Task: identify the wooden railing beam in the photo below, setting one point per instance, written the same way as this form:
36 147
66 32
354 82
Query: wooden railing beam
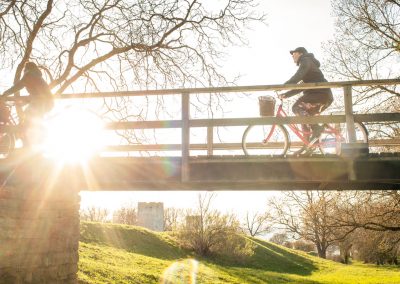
373 117
223 146
235 89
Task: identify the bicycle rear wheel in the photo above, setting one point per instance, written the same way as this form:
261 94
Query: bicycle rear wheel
270 140
7 144
331 139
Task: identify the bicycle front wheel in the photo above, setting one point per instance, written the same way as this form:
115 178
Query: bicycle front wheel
331 139
269 140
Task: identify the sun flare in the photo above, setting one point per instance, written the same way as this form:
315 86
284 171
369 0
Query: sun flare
73 135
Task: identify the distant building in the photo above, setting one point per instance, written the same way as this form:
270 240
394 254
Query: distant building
151 215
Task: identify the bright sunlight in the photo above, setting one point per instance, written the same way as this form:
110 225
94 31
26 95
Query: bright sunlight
73 135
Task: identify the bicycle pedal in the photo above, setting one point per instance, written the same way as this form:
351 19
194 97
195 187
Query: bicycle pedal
301 150
296 154
306 154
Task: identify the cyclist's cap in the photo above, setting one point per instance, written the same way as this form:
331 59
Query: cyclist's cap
299 49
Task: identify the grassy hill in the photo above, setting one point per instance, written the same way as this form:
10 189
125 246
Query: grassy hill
112 253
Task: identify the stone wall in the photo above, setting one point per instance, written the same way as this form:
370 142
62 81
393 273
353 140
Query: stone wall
39 232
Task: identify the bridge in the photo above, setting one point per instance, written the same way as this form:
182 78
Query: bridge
124 169
39 197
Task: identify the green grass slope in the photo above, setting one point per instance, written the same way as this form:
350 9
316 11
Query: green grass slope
112 253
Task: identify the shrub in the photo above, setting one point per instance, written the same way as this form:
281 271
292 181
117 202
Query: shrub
215 233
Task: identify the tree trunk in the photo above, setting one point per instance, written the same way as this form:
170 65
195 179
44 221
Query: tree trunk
345 252
321 251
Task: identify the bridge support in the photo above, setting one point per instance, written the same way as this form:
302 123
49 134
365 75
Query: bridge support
39 226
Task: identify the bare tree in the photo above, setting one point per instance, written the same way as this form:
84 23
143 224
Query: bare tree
125 215
374 210
367 40
173 218
367 46
279 238
375 246
94 214
207 231
118 45
368 222
257 223
306 216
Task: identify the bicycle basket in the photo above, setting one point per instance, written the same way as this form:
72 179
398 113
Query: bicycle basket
267 105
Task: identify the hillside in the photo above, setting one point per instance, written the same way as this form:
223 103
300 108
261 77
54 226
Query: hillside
112 253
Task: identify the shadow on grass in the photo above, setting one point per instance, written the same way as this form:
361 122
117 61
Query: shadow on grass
272 258
259 276
275 258
131 239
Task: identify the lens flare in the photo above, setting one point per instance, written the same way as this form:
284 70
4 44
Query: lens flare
74 135
181 272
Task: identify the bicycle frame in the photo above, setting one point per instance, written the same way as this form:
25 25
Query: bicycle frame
9 120
7 136
276 138
302 135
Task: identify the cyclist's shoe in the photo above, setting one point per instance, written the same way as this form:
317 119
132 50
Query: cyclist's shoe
300 151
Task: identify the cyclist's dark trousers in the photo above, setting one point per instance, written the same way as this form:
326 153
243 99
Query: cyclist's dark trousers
33 114
310 105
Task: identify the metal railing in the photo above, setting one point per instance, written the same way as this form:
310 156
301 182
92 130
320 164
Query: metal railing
185 123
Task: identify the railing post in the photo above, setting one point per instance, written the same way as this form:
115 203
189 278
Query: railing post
348 108
210 140
185 137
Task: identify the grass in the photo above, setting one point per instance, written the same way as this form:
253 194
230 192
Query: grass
112 253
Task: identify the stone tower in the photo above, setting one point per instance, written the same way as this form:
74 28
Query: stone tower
151 215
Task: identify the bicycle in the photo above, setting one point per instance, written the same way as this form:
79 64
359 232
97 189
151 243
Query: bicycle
274 140
13 133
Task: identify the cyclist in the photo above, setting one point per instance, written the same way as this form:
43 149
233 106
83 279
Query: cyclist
40 97
313 101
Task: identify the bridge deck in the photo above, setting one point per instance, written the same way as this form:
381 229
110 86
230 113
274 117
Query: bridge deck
218 173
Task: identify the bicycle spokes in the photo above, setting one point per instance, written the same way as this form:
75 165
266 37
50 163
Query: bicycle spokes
265 140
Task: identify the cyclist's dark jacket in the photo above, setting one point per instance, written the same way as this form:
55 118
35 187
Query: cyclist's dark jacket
34 84
309 72
41 96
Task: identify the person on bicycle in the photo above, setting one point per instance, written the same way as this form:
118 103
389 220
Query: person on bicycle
40 97
313 101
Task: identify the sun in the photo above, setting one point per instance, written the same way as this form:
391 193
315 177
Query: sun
73 135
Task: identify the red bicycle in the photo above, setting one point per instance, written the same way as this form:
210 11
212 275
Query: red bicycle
274 140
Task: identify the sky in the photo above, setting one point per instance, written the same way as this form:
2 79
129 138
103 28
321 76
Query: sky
290 24
266 60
